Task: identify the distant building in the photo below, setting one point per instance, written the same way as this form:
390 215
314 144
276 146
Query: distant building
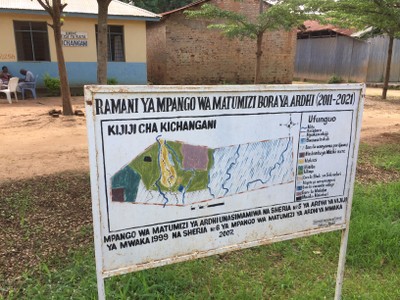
27 42
324 51
184 51
313 29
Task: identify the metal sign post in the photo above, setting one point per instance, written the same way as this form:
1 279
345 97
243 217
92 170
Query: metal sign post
345 232
182 172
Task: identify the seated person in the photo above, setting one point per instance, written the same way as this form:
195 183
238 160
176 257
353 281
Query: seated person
29 77
5 75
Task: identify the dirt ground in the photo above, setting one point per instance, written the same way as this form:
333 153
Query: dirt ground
33 143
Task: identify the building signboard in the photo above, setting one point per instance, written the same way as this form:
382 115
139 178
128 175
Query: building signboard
74 39
181 172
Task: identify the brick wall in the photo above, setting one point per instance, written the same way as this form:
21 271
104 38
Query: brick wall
197 55
156 52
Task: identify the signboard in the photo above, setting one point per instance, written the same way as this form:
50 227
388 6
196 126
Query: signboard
180 172
74 39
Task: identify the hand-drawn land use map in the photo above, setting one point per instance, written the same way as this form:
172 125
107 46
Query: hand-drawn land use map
183 171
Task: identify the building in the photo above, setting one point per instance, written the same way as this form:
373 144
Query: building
324 51
184 51
28 42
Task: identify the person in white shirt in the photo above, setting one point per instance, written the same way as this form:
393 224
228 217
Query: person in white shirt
29 77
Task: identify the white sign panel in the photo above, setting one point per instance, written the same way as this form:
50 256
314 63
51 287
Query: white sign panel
74 38
180 172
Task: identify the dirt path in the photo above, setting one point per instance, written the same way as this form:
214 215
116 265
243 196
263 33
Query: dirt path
33 143
381 119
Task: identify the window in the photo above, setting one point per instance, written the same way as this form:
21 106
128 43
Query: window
32 41
115 35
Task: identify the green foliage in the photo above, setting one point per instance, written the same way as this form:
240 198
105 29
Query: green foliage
283 15
52 84
335 79
236 25
112 81
383 16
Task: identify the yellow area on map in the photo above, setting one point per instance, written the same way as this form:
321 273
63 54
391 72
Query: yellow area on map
168 172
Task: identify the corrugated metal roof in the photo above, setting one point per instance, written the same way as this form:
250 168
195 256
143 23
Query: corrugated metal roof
314 26
184 7
116 8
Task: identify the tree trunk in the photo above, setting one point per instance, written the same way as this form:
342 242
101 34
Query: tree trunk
259 48
388 63
102 43
258 58
62 70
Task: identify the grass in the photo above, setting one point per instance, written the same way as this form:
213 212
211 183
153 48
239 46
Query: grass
298 269
385 156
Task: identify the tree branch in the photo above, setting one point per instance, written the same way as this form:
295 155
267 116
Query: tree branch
47 7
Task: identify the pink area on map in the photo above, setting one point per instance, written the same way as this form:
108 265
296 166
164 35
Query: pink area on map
195 157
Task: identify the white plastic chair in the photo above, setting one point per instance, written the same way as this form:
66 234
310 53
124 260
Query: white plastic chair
12 88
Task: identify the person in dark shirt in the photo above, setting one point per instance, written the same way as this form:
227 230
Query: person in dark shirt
5 75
